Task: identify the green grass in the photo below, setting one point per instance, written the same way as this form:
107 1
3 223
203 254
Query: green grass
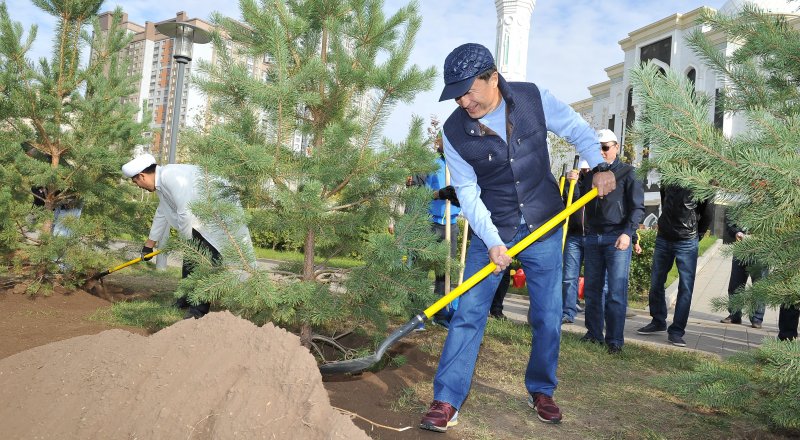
150 315
602 396
297 257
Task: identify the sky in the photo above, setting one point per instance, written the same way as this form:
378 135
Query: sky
571 43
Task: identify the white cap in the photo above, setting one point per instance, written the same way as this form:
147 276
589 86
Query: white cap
137 165
606 135
583 164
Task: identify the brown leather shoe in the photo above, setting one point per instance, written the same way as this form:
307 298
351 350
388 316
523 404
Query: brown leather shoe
546 408
440 416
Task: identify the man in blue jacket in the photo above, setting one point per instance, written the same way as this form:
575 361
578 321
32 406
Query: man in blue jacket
441 194
496 147
613 221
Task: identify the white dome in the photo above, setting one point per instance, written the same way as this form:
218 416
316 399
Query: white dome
732 7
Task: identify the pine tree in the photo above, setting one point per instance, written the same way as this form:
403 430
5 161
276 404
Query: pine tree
338 69
757 173
64 133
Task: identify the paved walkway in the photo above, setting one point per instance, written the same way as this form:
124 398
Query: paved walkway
704 332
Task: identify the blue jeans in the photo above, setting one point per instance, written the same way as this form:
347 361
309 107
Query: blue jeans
605 263
573 258
542 263
684 254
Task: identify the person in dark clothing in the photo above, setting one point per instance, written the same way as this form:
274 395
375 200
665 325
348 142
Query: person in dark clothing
788 318
612 222
683 222
573 249
740 272
496 148
496 309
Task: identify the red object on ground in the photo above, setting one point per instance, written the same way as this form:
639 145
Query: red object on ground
580 287
519 278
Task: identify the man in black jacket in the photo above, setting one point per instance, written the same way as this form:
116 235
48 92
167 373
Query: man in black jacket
612 221
682 224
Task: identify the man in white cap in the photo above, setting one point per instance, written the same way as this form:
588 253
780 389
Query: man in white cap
613 221
177 188
496 146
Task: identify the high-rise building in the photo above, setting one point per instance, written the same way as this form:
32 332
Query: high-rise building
150 57
513 30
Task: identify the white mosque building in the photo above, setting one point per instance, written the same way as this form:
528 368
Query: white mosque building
611 104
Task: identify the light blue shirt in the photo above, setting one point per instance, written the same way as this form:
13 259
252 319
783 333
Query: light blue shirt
560 118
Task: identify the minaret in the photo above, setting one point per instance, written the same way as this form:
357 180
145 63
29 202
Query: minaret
513 28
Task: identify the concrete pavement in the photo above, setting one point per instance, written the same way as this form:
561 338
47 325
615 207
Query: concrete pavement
704 332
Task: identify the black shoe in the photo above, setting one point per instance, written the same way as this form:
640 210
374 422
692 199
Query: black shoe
651 329
567 320
731 320
499 316
190 314
676 340
588 338
614 349
755 324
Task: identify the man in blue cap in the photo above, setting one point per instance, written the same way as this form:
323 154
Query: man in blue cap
496 146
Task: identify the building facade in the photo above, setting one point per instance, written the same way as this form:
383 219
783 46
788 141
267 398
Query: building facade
611 103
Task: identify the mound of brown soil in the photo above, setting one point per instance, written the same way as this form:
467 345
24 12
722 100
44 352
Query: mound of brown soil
219 377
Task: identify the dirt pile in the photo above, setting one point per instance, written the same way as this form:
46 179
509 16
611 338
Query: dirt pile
219 377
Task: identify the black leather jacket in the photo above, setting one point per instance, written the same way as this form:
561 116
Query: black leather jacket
621 210
682 218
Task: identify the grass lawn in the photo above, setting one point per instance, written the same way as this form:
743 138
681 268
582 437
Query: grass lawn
297 257
601 396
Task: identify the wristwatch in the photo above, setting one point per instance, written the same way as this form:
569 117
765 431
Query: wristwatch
603 166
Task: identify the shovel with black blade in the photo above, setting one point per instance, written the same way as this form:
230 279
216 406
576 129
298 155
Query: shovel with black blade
363 363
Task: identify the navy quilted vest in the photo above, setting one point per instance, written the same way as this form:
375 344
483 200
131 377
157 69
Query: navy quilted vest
514 177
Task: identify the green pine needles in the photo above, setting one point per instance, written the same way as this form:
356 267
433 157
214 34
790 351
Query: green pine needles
302 144
757 174
63 137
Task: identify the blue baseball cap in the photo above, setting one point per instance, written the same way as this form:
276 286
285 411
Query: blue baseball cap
462 66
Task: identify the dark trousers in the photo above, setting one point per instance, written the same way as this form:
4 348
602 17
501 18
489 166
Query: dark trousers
182 302
500 293
788 319
740 272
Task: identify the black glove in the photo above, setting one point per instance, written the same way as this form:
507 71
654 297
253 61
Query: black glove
146 250
448 193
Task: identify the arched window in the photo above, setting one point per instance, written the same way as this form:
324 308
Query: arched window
692 75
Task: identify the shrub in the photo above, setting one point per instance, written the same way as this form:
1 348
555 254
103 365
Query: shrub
639 278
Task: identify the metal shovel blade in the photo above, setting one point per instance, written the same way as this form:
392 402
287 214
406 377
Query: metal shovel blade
363 363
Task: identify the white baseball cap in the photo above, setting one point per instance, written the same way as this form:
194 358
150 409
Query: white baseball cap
137 165
583 164
606 135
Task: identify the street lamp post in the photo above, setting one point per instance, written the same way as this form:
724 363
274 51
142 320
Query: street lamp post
185 35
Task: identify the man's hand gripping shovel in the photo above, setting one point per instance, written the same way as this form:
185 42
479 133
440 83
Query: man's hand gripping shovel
363 363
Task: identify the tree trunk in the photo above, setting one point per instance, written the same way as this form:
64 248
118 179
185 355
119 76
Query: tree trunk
308 261
308 276
305 335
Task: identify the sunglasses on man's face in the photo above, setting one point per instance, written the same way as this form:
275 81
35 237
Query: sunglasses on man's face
606 147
